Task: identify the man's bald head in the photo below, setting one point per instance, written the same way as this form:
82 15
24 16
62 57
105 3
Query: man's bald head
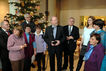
54 21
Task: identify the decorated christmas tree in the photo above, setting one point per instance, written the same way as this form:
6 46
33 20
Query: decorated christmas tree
28 6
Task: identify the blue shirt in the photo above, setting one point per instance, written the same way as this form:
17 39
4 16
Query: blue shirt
54 30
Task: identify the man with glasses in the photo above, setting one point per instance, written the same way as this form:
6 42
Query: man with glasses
28 21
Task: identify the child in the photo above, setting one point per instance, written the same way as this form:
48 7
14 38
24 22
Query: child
41 47
94 55
29 51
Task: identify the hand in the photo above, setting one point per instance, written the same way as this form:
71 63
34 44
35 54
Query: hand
70 37
58 43
21 46
52 43
44 52
25 45
35 53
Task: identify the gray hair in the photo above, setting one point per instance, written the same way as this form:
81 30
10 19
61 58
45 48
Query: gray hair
72 18
26 15
2 23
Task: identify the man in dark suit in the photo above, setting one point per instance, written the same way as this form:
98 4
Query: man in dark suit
72 34
54 37
4 56
28 21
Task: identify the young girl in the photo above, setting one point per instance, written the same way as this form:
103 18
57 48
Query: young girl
94 55
41 47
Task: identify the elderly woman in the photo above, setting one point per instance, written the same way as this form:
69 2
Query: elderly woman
16 44
94 55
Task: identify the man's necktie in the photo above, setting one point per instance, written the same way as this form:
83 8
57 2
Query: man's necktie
69 30
8 33
54 32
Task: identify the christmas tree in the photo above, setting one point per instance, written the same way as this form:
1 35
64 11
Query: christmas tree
31 7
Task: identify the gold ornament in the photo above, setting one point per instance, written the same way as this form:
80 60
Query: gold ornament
23 4
31 13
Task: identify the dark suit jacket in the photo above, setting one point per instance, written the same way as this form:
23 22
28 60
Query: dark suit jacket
32 25
48 37
4 55
3 44
71 44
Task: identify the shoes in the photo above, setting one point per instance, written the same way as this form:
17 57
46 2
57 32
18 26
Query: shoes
64 69
32 65
43 69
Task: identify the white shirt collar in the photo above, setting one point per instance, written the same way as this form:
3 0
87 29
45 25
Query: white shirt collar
70 27
27 22
4 30
41 33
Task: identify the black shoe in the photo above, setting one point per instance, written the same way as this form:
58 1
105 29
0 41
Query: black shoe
32 65
64 68
39 70
71 69
43 69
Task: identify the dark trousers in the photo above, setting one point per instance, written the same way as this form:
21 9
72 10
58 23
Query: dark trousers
71 61
6 65
70 54
58 54
17 65
82 53
65 64
27 64
40 57
79 63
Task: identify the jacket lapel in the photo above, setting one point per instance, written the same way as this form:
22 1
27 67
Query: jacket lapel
4 33
72 30
51 32
57 31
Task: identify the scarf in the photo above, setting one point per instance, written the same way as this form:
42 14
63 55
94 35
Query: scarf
88 54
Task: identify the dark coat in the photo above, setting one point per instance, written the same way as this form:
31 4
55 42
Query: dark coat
95 60
71 44
32 25
48 37
4 55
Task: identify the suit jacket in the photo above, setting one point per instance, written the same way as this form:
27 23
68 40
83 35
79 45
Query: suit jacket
71 44
3 44
4 54
32 25
48 37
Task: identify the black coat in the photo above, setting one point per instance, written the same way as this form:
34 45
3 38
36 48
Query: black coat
4 55
71 44
48 37
32 25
